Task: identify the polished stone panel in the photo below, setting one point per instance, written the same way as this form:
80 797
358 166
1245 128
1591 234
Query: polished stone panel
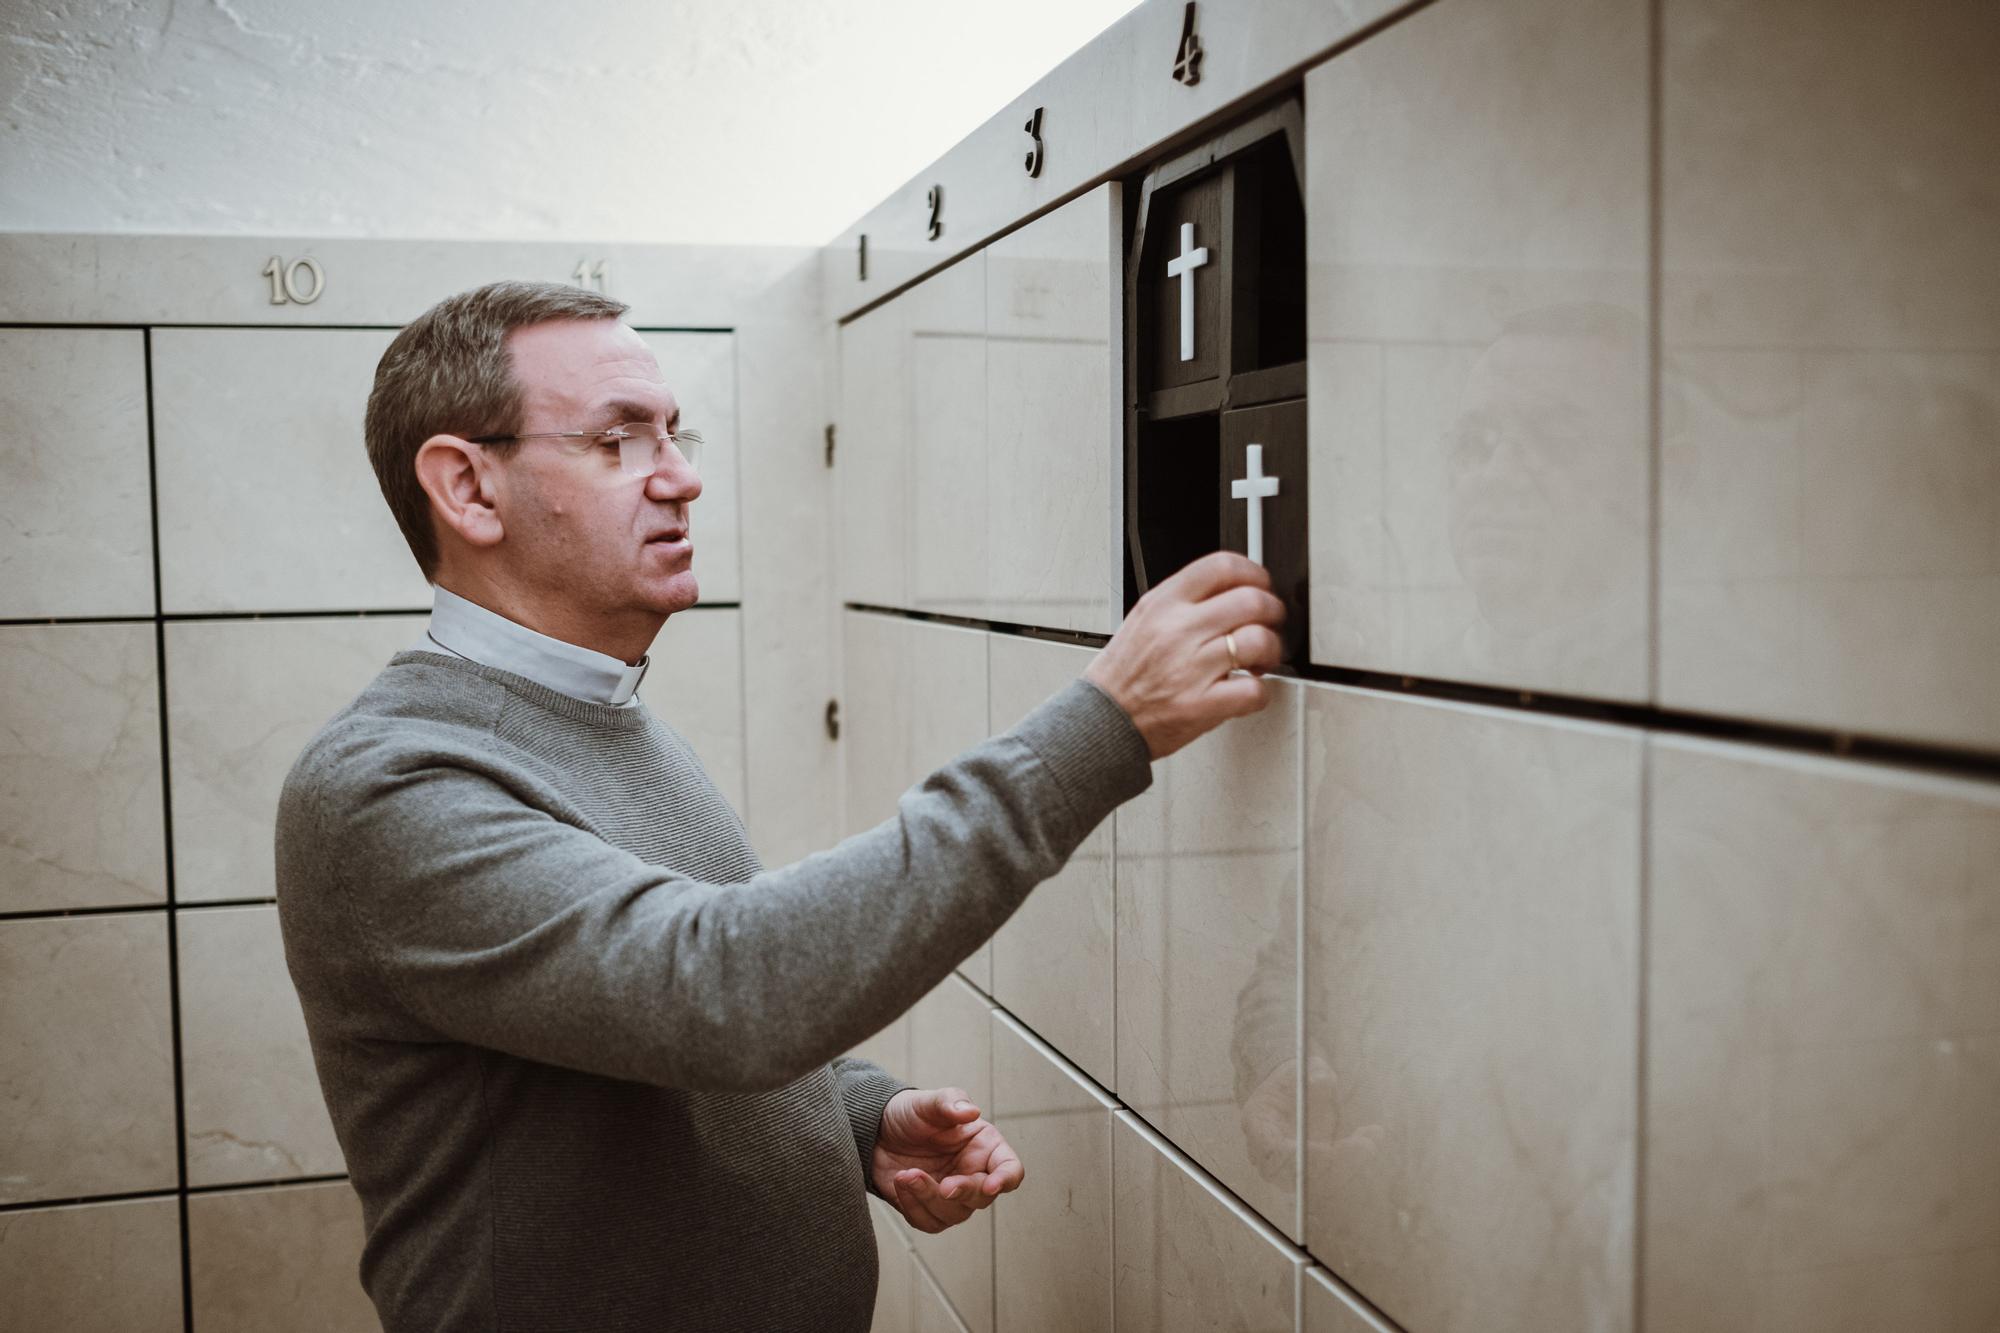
872 459
700 369
696 684
1189 1258
1207 915
951 1046
278 1258
252 1101
1477 213
87 1079
1054 425
1331 1308
1824 1046
944 319
896 1270
267 501
243 698
932 1311
1830 325
76 528
915 699
1472 998
1052 961
104 1267
1052 1237
82 822
785 357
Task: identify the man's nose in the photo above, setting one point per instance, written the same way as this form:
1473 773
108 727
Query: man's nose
673 479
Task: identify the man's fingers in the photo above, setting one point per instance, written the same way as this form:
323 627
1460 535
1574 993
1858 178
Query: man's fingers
946 1108
1236 608
1004 1172
1257 649
1239 696
919 1200
1212 573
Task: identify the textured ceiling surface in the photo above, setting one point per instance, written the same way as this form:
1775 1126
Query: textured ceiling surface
752 122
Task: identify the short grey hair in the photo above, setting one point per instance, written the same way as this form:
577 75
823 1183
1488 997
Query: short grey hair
449 373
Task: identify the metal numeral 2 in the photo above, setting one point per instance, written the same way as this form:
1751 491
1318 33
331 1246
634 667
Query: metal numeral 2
935 199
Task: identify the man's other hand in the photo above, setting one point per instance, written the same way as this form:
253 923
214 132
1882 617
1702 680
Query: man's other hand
938 1160
1169 665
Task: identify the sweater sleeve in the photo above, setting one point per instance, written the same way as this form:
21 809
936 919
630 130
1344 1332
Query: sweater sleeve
432 875
864 1090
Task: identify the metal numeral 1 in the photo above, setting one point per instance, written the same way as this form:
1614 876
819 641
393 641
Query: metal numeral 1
587 274
1034 129
285 285
935 199
1187 60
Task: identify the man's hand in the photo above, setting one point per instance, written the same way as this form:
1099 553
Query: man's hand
938 1161
1169 667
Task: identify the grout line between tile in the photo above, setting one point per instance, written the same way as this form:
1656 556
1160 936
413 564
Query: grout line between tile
1861 748
167 849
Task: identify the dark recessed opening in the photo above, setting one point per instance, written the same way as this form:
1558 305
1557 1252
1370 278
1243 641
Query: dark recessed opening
1178 463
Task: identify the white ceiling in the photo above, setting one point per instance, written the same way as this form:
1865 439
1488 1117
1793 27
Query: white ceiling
753 121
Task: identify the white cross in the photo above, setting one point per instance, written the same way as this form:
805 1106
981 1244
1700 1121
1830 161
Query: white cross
1256 488
1183 268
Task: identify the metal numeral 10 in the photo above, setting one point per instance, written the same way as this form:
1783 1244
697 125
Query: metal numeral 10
285 284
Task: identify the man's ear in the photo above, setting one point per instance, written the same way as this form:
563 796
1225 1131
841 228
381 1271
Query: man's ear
460 479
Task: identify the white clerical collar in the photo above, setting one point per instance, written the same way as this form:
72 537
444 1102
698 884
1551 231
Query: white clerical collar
467 629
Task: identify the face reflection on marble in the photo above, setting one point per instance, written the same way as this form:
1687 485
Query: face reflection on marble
1528 469
1207 954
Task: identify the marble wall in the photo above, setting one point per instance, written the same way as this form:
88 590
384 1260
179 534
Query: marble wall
1654 396
189 588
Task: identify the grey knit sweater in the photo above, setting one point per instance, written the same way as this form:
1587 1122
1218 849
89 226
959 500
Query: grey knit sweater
579 1048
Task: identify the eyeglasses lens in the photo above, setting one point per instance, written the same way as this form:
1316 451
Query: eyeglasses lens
639 452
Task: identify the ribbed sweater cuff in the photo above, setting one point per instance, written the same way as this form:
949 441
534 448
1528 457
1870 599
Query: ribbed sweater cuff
866 1098
1090 746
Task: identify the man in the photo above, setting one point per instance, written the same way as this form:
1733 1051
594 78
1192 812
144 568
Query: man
581 1050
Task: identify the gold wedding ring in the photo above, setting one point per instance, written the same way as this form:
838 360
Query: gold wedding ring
1229 642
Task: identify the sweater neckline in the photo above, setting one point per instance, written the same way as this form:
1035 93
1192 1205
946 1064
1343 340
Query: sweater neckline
611 717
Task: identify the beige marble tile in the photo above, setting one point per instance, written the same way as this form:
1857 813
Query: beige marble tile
1052 1259
915 698
932 1311
1055 431
1478 344
82 822
896 1271
700 369
1472 1010
76 527
104 1267
696 684
243 698
1207 954
278 1258
88 1078
786 354
1824 1046
951 1045
251 1099
1331 1308
945 322
872 459
1189 1258
1830 323
266 497
1053 960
